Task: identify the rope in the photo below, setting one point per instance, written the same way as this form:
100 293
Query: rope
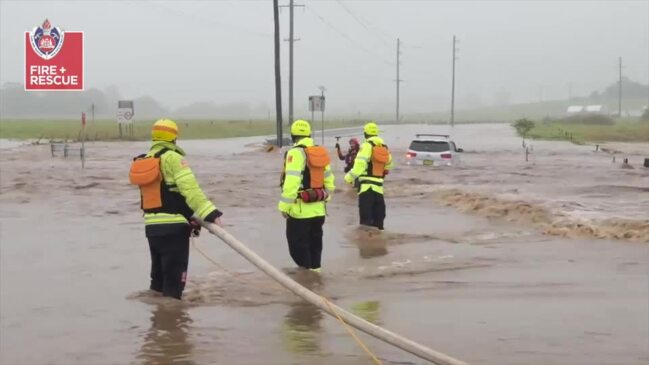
352 333
348 328
235 276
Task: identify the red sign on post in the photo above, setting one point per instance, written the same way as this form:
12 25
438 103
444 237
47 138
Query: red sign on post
53 59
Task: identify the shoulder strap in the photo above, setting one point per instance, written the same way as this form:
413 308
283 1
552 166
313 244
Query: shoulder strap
139 157
161 152
372 143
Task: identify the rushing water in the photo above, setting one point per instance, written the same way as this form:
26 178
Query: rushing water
466 265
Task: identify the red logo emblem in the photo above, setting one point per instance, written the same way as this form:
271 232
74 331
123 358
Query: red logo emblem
53 59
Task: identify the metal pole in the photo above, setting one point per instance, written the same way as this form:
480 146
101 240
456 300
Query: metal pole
290 65
453 88
398 81
619 94
322 105
83 149
278 79
323 127
83 138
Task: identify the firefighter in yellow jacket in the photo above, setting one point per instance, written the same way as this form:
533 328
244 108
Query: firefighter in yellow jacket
307 185
372 164
170 196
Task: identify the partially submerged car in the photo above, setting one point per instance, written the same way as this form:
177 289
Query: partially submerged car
433 150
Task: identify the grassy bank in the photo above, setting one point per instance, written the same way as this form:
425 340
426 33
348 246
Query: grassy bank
109 130
621 131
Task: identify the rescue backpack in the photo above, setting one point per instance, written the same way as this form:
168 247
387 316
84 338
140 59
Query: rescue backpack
155 194
146 174
380 158
317 160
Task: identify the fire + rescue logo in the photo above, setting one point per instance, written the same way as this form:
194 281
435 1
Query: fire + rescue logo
46 40
49 63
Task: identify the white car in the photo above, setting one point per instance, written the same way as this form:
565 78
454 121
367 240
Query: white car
433 150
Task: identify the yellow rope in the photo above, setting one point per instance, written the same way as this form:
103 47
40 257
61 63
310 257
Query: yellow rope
352 332
230 273
348 328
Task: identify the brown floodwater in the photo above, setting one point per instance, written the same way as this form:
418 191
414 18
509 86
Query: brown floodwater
498 261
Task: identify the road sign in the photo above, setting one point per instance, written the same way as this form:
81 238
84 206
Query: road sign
125 111
316 103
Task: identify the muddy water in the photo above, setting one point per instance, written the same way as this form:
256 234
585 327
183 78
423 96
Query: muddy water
468 264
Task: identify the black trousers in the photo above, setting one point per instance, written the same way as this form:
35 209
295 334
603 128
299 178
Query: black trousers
304 238
371 208
169 260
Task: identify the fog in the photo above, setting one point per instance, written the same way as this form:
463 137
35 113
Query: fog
222 51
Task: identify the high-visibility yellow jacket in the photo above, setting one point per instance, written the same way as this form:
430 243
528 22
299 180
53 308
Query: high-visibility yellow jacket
183 191
293 175
361 163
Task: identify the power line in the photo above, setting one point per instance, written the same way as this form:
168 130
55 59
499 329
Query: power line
384 37
353 15
348 38
208 20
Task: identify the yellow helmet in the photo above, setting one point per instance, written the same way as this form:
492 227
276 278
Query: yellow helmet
371 129
164 130
301 128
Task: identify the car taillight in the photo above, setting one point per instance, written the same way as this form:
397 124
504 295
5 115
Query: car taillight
447 155
411 154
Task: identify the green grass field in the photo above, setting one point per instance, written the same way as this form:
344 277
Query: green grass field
109 130
621 131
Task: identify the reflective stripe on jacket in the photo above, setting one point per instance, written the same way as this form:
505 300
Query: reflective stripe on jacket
180 179
359 171
294 169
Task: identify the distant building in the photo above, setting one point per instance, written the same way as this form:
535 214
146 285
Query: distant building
597 109
589 109
575 109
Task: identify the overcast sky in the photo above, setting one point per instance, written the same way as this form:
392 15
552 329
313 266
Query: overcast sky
185 51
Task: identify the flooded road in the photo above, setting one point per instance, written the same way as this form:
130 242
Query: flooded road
498 261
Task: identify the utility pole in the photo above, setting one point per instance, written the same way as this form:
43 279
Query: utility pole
619 93
322 101
278 79
398 79
453 84
291 39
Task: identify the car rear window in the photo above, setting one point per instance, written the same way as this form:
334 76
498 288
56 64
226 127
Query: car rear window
429 146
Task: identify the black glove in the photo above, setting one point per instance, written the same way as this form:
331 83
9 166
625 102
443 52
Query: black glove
195 228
